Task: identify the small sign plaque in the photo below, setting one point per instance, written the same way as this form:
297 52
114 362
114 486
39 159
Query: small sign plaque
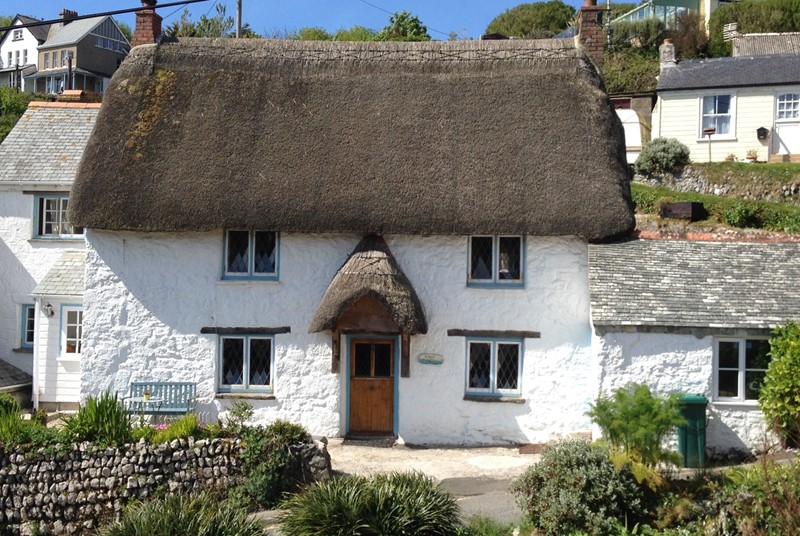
430 359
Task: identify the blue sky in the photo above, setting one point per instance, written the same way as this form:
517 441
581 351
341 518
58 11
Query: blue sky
468 18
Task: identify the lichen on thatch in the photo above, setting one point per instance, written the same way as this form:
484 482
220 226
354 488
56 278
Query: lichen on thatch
371 270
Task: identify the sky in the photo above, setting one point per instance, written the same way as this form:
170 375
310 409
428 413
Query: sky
467 18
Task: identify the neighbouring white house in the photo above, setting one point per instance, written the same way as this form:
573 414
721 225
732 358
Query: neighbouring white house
19 56
730 106
694 317
365 238
40 251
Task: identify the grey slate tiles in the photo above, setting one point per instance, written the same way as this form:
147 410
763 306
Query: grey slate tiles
65 278
730 72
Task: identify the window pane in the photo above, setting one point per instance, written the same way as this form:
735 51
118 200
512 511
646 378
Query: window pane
479 365
260 360
481 262
507 366
723 104
264 260
238 252
383 360
723 124
708 106
362 361
509 261
233 361
752 383
729 354
729 383
755 354
30 321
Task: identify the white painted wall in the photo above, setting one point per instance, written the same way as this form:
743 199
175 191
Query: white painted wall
671 363
28 42
23 263
59 373
678 115
148 295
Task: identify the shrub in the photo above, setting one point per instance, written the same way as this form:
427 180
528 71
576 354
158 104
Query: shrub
268 462
397 503
9 404
742 215
102 420
184 515
575 487
238 415
14 430
186 426
780 394
630 70
634 420
643 34
662 155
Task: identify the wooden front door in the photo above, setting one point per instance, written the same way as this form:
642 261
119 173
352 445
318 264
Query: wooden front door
371 386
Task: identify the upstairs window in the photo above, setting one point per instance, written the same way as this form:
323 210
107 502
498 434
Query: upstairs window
16 35
71 330
717 113
494 367
495 260
740 367
46 60
28 322
246 363
251 254
51 218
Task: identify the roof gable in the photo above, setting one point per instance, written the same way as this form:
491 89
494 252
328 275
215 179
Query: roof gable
420 138
71 33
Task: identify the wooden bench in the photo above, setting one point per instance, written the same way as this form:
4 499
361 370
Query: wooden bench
166 398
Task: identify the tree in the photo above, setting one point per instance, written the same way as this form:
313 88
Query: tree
126 30
404 26
13 104
617 10
542 19
356 33
780 393
220 25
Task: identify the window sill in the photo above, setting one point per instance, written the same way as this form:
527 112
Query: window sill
68 359
491 285
720 138
245 281
246 396
44 240
22 350
746 404
493 398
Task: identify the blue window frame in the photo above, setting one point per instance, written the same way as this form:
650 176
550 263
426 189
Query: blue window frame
496 261
246 363
251 255
27 326
494 367
50 218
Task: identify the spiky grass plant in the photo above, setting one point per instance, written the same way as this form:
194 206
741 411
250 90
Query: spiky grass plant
102 420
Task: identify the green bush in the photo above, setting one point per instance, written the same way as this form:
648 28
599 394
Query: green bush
742 215
635 421
102 420
575 487
186 426
9 404
643 34
184 515
268 464
14 430
629 70
780 394
397 503
662 155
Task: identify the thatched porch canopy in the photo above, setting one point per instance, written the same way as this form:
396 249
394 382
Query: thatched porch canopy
371 271
452 138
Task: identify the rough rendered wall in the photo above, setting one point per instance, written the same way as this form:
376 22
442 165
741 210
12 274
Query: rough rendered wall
148 296
23 263
671 363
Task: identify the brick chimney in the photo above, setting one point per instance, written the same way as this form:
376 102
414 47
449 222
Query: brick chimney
67 15
666 54
591 33
148 24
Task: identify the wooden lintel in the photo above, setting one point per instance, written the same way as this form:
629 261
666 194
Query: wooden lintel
246 331
336 349
494 334
405 360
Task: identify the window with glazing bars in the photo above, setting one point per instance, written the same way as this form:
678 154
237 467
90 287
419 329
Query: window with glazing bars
494 367
251 254
495 260
51 218
246 363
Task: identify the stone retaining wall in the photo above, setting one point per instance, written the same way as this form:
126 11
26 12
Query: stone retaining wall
72 492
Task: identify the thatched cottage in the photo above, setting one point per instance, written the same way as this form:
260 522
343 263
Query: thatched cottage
366 238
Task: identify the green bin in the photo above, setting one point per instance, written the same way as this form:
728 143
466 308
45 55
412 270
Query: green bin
692 435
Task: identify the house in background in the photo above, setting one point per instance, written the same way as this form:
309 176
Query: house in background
19 53
766 44
730 105
40 250
694 317
378 248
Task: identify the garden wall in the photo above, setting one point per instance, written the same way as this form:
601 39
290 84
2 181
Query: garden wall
75 491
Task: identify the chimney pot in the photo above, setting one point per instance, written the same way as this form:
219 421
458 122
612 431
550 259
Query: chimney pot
589 3
67 15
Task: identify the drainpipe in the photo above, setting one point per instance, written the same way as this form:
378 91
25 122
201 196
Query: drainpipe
36 331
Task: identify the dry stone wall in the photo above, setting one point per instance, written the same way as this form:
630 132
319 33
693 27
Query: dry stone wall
73 492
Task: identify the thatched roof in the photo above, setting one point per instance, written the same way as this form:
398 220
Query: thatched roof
417 138
371 270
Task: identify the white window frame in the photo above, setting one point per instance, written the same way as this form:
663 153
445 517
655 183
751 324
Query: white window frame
251 274
40 208
731 112
493 390
17 35
28 314
795 101
740 369
495 280
223 387
25 57
65 324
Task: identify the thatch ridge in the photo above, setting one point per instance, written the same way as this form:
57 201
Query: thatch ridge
403 138
371 270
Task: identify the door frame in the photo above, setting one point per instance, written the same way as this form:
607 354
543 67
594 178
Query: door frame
348 345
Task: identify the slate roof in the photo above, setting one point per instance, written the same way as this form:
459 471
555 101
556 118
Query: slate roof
694 284
766 44
47 143
69 34
11 375
730 72
65 278
39 32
